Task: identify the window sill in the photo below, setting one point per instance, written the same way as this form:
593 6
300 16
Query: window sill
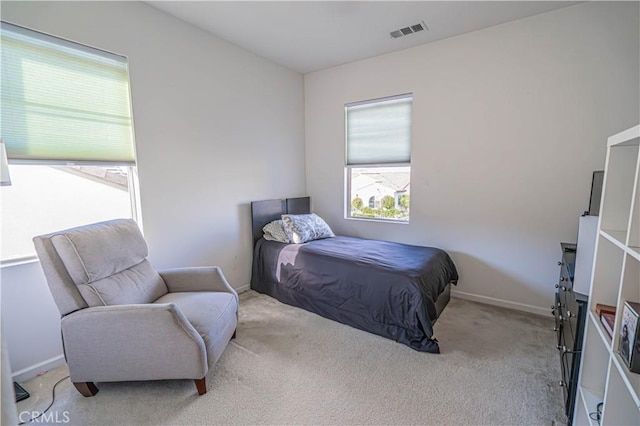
364 219
18 261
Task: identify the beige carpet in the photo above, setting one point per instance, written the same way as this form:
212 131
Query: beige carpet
288 366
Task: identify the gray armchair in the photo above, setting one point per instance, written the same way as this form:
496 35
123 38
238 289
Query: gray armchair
122 320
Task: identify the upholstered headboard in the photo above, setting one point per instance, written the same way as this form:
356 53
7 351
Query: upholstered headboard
263 212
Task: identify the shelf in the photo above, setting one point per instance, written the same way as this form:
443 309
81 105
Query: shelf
581 418
629 291
595 360
620 405
634 222
618 188
616 237
630 380
590 400
608 341
630 136
616 279
607 272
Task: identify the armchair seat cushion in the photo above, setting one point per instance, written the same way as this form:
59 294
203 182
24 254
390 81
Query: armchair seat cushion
212 314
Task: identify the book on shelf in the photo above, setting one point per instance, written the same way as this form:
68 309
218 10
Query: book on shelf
608 320
605 309
629 344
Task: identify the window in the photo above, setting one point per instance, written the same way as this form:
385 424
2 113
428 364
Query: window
43 199
378 158
67 126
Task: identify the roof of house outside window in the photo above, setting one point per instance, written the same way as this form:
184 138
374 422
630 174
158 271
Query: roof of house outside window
394 181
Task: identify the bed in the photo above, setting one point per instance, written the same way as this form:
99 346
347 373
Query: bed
393 290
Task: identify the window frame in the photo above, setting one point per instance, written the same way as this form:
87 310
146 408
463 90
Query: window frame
349 167
133 189
133 186
347 199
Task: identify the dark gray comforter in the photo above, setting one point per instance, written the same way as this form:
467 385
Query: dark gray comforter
381 287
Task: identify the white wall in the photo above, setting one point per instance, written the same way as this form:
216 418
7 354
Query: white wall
30 321
216 127
508 124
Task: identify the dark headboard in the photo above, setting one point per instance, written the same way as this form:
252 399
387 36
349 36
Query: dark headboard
263 212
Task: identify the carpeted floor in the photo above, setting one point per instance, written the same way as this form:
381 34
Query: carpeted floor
288 366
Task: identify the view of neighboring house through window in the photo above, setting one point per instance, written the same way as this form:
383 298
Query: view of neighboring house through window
378 157
67 126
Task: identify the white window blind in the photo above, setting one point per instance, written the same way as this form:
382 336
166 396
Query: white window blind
379 131
63 102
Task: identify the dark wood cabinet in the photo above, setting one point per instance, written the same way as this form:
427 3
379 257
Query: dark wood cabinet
570 311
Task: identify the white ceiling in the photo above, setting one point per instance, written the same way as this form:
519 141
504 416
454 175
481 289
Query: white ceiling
308 36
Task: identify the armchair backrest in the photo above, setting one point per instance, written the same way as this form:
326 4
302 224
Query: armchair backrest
99 264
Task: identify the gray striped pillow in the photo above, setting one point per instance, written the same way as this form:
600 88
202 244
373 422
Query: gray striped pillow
273 231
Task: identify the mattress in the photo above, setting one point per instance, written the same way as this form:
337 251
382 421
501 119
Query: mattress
385 288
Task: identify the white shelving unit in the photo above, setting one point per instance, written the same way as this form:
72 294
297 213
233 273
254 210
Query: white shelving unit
616 278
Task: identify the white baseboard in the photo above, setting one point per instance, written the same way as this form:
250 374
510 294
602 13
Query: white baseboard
475 298
33 370
243 288
503 303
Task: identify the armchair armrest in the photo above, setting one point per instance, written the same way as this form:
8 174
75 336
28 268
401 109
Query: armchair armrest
197 279
132 342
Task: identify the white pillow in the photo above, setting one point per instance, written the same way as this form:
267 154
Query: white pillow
273 231
301 228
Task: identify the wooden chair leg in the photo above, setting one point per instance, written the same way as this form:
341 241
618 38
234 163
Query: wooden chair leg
201 385
86 389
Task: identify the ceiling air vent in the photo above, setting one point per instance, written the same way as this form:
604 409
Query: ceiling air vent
406 31
409 30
